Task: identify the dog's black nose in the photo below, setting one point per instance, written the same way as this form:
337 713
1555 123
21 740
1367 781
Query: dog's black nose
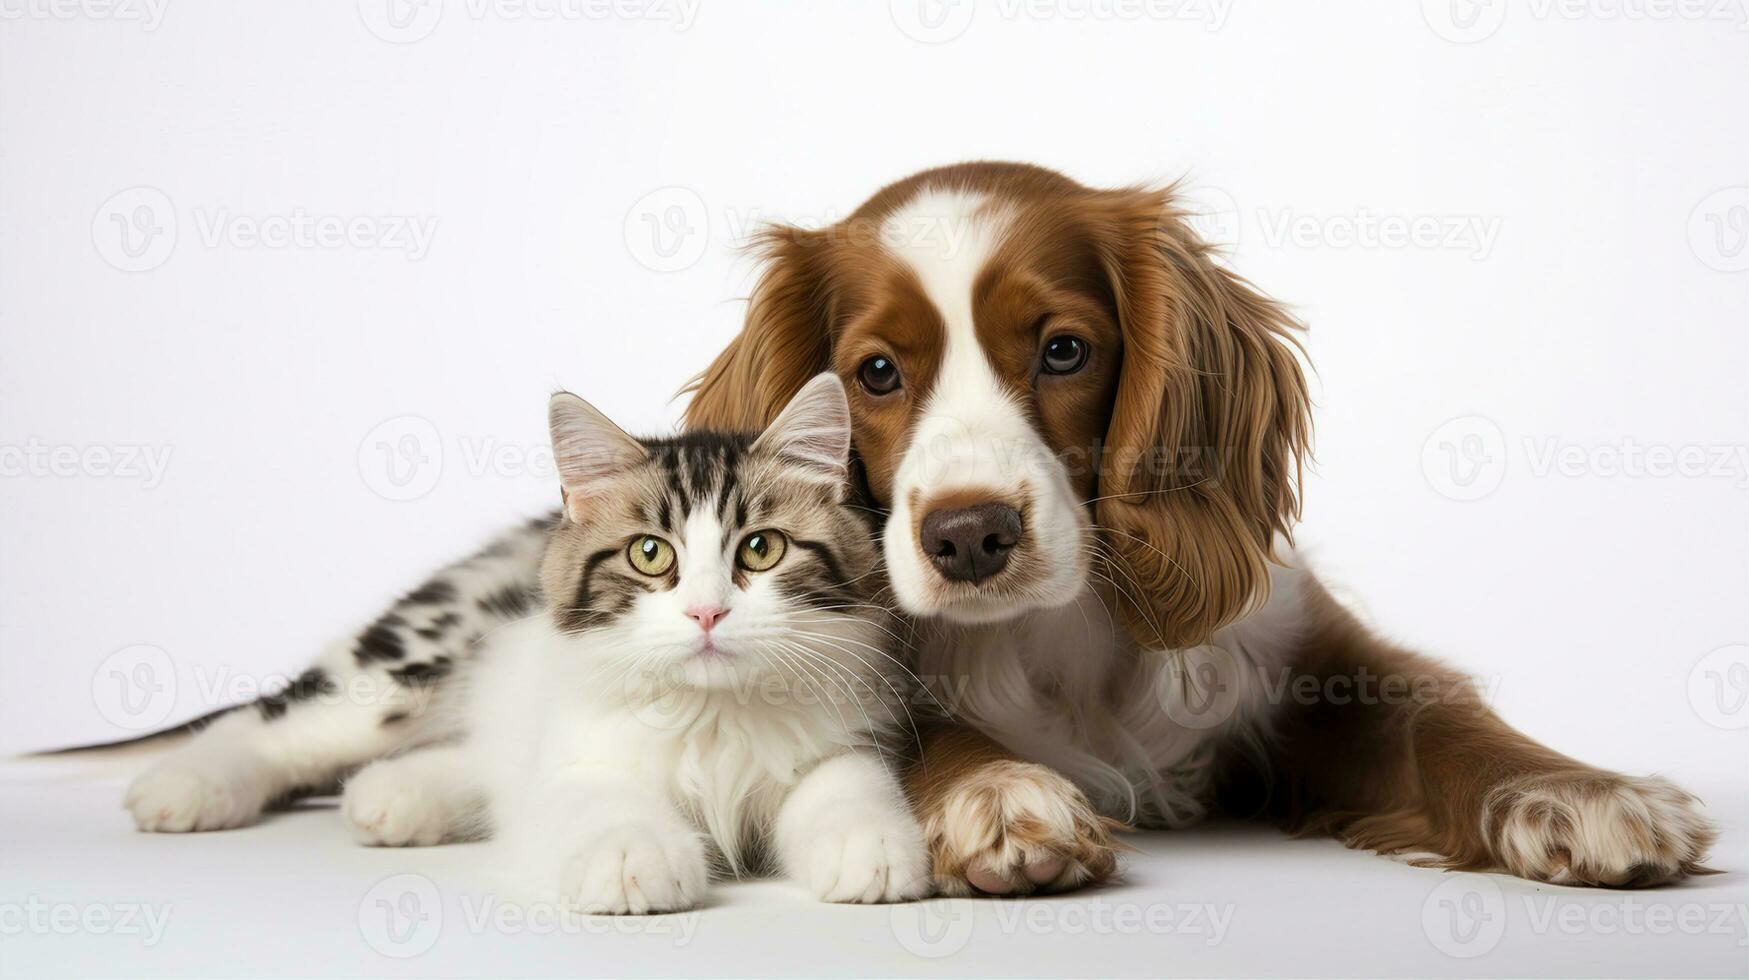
970 544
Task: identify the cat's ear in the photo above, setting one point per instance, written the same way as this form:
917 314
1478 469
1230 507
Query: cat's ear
813 430
587 448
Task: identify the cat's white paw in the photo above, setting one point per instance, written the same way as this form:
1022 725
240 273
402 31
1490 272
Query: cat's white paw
867 859
636 870
388 807
175 797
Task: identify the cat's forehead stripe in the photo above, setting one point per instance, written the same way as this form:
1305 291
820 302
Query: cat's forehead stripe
698 469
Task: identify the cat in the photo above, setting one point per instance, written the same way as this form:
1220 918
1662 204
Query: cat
709 689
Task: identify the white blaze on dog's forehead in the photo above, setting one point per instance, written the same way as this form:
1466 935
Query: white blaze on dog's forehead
971 433
947 266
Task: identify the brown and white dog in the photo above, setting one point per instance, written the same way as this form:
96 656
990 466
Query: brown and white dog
1087 435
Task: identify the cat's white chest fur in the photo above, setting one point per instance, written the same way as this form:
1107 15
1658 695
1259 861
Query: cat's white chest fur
727 758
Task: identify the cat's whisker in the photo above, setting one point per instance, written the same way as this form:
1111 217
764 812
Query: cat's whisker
795 671
896 638
837 685
900 664
851 694
855 579
899 698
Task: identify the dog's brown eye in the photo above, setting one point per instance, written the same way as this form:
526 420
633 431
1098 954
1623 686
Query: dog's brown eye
879 375
1064 355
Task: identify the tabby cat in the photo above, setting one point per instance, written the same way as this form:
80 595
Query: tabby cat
710 688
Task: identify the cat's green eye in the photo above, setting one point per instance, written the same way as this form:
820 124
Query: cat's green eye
651 555
761 550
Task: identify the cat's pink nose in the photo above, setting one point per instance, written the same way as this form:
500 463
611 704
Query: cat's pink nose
707 616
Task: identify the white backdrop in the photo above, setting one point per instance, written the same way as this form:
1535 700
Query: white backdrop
283 289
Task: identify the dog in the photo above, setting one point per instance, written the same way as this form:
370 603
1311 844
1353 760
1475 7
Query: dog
1084 436
1087 435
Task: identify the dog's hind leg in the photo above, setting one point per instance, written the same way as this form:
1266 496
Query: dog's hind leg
1421 766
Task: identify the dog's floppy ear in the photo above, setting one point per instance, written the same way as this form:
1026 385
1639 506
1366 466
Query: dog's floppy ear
784 341
1208 429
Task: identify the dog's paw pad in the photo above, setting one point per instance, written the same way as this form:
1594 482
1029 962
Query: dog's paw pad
1598 829
1015 828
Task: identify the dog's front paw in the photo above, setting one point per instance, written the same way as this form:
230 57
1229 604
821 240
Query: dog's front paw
176 796
865 859
636 870
1016 827
1597 829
